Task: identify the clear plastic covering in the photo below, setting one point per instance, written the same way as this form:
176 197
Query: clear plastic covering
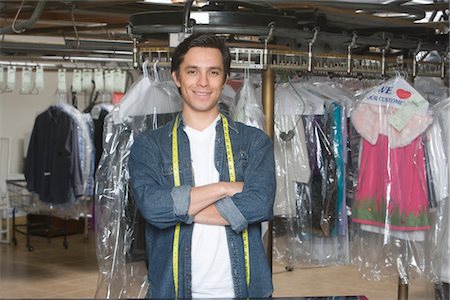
310 223
394 213
314 160
148 104
441 131
248 108
79 139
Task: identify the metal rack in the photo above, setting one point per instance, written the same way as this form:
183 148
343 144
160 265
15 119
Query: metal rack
22 199
346 65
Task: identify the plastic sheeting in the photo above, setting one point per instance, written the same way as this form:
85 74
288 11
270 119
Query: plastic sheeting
120 229
442 254
248 108
310 223
73 206
394 225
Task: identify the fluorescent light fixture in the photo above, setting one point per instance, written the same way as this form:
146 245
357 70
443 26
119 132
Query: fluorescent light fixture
392 15
164 1
197 3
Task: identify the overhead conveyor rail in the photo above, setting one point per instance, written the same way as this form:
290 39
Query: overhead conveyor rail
322 63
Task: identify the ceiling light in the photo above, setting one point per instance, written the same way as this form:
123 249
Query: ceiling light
392 15
164 1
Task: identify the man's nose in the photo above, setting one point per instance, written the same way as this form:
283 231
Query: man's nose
203 79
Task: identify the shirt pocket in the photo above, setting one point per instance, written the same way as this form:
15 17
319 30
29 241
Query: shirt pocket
167 170
240 164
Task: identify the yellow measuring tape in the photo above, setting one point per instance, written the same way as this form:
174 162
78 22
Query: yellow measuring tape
176 179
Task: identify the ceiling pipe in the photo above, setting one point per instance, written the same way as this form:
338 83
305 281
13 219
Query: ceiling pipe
144 31
187 16
27 24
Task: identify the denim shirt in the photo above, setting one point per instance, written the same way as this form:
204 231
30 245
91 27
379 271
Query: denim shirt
163 205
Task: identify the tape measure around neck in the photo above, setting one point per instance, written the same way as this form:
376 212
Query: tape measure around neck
176 180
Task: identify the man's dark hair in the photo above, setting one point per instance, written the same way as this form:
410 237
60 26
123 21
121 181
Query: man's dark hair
204 40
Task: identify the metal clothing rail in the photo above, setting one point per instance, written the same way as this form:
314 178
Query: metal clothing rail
344 65
63 63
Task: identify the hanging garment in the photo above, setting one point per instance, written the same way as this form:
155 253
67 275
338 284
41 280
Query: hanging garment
98 114
442 258
146 105
292 162
52 167
392 221
392 184
311 224
437 161
248 109
84 128
291 154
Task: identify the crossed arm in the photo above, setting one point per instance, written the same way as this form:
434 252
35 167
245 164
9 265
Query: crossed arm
222 203
203 198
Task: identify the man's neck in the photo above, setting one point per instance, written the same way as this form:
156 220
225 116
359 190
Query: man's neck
199 120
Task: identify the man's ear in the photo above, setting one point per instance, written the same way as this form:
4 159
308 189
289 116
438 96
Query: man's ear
175 78
225 79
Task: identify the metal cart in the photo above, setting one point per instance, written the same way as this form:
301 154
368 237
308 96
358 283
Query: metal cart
22 199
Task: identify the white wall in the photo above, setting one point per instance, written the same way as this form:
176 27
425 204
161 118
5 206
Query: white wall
18 112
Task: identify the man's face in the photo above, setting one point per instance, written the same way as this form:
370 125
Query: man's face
200 79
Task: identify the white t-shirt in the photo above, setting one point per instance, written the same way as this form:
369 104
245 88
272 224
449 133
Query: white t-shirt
211 266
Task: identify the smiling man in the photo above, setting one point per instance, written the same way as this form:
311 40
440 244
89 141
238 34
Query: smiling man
204 184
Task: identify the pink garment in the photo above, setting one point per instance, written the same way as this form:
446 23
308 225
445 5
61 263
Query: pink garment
392 188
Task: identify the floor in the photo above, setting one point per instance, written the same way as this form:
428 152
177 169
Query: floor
50 271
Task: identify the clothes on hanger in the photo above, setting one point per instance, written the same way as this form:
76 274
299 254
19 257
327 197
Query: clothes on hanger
98 112
59 162
391 211
148 104
310 147
248 108
441 257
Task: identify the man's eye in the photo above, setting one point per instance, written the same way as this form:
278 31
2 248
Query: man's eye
215 73
191 72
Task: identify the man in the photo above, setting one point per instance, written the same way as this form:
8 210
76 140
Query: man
202 202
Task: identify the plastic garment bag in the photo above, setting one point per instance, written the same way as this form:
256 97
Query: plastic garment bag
119 228
248 109
63 134
442 212
392 221
432 88
309 142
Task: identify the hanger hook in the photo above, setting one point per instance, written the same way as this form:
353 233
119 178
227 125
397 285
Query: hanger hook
269 37
383 56
155 70
353 41
310 44
349 53
13 25
144 68
72 15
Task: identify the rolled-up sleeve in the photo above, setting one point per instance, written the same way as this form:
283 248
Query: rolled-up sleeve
159 202
231 213
181 196
255 203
